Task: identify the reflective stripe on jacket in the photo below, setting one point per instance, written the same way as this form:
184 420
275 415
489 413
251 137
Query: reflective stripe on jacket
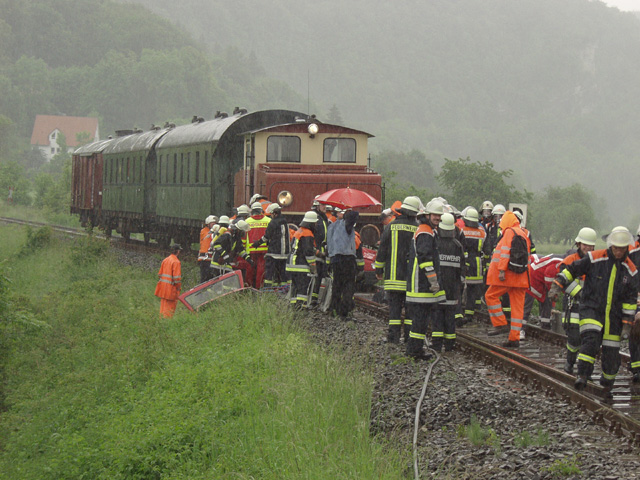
170 280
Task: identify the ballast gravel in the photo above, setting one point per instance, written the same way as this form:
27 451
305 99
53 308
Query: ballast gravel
517 432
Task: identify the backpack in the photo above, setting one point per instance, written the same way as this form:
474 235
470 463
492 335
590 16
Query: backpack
519 256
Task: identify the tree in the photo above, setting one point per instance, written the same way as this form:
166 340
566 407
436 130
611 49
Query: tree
334 115
471 183
561 212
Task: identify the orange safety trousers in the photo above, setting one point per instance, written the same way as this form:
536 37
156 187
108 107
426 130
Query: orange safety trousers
167 307
494 307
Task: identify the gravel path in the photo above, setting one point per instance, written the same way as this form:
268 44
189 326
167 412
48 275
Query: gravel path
516 432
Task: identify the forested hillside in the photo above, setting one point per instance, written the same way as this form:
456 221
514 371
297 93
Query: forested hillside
546 87
120 63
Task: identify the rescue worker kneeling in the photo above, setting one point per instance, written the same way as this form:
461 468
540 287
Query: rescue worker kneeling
229 247
423 284
608 296
302 261
452 269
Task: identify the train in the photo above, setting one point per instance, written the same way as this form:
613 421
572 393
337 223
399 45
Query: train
162 183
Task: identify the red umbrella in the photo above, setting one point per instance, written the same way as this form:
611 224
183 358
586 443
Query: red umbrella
347 198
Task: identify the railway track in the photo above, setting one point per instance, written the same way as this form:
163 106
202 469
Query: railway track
538 364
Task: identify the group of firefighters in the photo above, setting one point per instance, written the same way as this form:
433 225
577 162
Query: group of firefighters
428 256
431 258
272 254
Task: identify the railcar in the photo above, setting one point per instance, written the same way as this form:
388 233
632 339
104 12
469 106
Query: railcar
164 182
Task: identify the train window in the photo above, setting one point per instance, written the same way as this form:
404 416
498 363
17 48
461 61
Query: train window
160 178
181 167
206 166
188 167
283 149
175 168
140 170
197 167
127 178
119 175
340 150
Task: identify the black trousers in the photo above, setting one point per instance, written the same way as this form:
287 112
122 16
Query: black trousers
205 270
443 327
344 270
474 294
275 272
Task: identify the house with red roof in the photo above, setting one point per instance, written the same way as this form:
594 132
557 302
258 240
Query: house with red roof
77 131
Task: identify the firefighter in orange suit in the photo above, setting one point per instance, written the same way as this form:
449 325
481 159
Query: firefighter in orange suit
204 257
168 287
502 280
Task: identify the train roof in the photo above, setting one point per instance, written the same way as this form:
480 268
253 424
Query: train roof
213 130
301 127
93 147
135 142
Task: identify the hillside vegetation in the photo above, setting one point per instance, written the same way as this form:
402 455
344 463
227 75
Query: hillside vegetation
95 385
547 88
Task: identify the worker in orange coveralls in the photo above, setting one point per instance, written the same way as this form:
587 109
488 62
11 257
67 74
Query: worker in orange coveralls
168 287
502 279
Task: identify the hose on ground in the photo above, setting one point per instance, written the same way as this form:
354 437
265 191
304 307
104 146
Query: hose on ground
416 423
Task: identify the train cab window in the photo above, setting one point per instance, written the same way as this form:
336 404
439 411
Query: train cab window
340 150
197 179
283 149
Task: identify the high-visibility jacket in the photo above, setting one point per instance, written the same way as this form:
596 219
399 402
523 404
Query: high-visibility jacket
610 286
359 252
533 246
510 226
303 251
320 235
452 265
424 265
258 224
474 245
170 280
542 273
393 258
228 246
331 217
277 238
265 204
205 244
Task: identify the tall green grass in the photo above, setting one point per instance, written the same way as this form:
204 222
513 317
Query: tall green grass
108 389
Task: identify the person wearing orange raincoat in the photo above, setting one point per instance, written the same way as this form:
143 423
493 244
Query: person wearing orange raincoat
168 287
502 280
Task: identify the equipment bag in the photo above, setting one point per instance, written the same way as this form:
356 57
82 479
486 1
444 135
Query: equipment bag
519 256
324 296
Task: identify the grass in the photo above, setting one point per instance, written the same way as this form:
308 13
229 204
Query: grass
38 215
525 439
565 467
101 387
479 435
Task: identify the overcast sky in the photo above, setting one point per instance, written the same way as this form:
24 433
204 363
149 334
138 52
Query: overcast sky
625 5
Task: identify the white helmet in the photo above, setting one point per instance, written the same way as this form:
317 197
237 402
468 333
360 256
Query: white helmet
224 220
447 222
471 214
638 231
310 217
273 207
329 208
411 204
619 237
256 206
434 206
587 236
518 215
210 219
242 225
486 205
498 210
256 197
244 210
315 201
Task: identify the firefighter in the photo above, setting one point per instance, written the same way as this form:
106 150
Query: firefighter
518 213
320 234
503 279
424 289
585 242
341 246
392 264
276 236
452 271
485 212
634 341
204 258
229 248
169 283
301 264
474 251
330 216
262 200
608 296
542 272
243 212
258 223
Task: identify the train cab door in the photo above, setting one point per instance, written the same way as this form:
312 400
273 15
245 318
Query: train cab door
150 182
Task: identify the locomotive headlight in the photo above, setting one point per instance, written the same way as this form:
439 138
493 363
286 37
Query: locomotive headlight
285 198
312 129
